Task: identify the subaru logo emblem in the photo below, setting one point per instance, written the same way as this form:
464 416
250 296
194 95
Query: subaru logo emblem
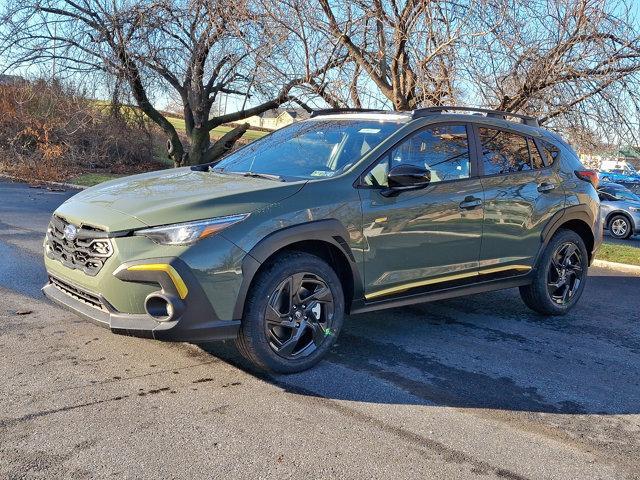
70 232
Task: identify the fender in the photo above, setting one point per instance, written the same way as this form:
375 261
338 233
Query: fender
575 212
330 231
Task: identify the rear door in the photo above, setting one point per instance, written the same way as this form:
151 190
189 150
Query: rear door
522 191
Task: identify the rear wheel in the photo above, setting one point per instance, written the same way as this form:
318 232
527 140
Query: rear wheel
293 314
560 275
620 227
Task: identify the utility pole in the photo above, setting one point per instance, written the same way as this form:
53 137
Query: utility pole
55 35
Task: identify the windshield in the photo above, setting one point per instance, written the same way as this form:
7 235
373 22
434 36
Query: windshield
309 149
622 193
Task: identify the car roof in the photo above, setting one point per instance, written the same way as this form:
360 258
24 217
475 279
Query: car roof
611 184
396 117
439 116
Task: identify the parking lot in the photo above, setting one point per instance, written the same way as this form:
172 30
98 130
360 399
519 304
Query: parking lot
476 387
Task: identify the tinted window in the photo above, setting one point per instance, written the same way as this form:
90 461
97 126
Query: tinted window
503 152
551 152
443 150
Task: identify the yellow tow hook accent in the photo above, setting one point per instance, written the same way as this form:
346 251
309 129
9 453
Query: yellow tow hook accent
175 277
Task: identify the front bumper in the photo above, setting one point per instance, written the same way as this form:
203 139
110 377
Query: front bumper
195 319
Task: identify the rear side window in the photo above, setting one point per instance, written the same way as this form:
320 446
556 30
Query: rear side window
503 152
551 152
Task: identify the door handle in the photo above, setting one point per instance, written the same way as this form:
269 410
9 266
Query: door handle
470 203
546 187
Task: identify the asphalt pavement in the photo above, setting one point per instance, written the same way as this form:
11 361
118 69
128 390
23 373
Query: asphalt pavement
475 387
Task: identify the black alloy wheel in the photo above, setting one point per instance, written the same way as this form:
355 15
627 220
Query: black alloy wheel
559 276
299 315
565 273
293 313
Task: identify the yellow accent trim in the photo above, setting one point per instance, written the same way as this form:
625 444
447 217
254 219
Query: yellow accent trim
169 270
448 278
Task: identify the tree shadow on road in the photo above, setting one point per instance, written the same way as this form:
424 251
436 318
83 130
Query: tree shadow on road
485 351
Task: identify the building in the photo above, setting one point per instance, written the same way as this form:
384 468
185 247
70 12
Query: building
277 118
597 160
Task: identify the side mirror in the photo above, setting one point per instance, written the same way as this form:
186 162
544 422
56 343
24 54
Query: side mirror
406 177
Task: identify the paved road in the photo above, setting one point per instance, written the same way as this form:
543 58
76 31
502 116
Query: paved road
477 387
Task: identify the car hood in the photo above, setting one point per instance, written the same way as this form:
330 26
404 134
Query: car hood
172 196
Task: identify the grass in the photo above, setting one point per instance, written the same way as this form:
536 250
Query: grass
178 123
619 253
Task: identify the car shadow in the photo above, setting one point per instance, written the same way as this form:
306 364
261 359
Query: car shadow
485 351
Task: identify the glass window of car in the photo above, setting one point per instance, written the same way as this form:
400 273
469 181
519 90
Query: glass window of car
309 149
551 152
503 152
442 149
619 193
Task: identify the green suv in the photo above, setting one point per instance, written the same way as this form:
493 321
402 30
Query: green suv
346 212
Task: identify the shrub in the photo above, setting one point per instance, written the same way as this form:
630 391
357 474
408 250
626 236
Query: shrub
48 131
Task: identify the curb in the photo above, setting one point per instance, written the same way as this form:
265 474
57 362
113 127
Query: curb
621 267
38 183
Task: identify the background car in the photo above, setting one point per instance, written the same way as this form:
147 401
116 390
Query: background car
620 210
624 174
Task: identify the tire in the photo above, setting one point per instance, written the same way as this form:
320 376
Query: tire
277 312
620 227
546 294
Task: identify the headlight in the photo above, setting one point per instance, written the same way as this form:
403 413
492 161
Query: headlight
634 209
189 232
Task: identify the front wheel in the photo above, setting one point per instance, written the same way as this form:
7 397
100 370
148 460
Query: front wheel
619 227
293 314
560 275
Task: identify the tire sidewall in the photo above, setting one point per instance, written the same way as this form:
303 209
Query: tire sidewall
253 321
545 264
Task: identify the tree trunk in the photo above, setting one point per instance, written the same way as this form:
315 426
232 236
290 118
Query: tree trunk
200 141
224 144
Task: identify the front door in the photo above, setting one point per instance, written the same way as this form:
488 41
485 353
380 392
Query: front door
522 192
423 239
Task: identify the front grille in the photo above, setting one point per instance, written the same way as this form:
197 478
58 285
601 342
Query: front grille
87 252
78 293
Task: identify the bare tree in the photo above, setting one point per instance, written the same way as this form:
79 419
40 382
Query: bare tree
572 63
407 50
199 50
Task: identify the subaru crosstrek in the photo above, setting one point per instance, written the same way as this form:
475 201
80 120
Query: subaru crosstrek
346 212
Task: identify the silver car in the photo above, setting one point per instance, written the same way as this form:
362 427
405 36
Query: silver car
620 210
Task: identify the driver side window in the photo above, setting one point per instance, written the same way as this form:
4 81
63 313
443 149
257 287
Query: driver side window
443 150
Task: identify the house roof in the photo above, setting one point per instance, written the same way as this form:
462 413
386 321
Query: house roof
293 112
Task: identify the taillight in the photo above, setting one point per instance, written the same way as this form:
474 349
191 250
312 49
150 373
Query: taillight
590 176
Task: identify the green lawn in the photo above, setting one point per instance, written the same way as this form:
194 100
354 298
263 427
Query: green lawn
619 254
218 131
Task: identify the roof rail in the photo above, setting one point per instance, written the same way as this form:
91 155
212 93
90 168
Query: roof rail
525 119
335 111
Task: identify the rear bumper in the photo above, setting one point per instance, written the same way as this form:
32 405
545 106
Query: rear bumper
196 321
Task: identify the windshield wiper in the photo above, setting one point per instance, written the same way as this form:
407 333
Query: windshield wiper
262 175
